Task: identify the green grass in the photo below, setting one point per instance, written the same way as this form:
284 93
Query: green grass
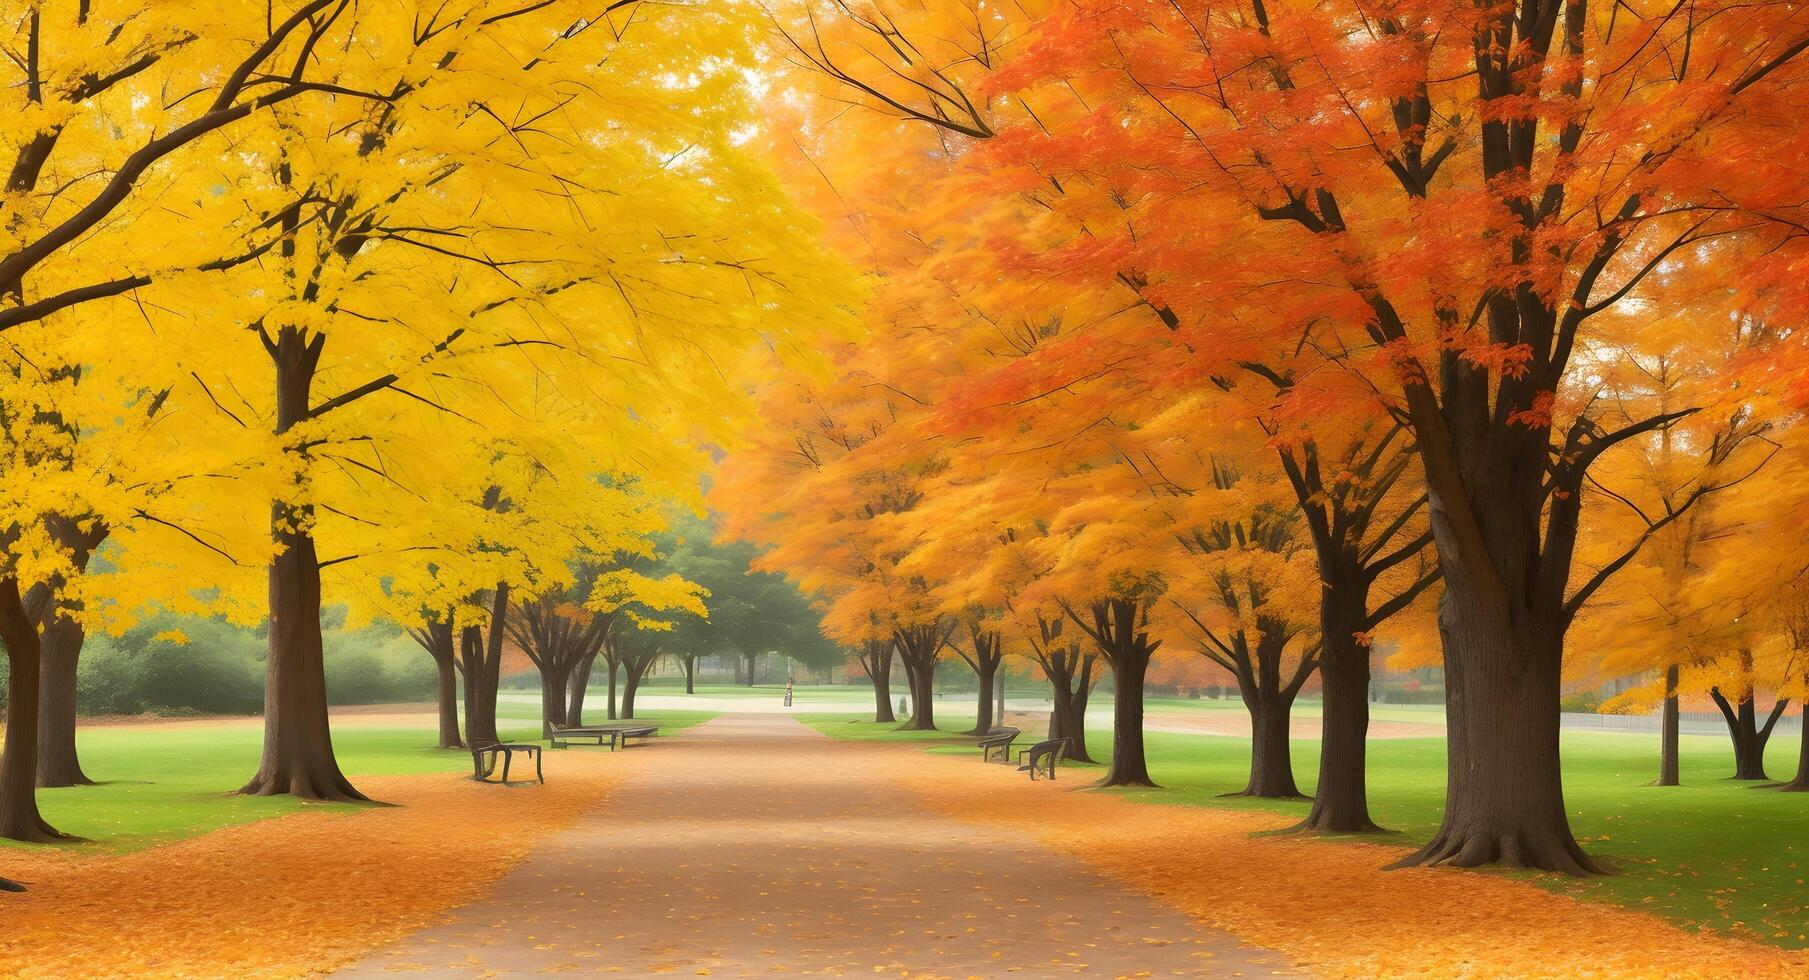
1713 853
161 783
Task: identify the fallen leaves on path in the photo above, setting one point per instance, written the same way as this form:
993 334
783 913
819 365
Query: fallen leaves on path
1326 905
293 895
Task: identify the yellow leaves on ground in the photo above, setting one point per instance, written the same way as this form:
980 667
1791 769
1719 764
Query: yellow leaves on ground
1328 906
298 894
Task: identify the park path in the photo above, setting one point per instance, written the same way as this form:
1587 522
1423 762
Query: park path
753 846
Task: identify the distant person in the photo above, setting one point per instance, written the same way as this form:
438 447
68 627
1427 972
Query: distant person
788 692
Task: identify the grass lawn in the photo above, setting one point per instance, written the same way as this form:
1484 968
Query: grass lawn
1714 852
165 782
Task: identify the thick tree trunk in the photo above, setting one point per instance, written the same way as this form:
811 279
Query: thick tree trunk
1271 755
480 726
632 685
493 644
690 674
298 742
753 661
552 701
1076 725
1341 799
448 696
920 680
1129 767
61 647
983 720
878 662
19 817
1801 783
1668 773
1505 798
574 713
1748 736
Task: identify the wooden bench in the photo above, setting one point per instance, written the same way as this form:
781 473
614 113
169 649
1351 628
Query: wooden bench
1043 754
484 755
998 741
643 733
613 734
599 734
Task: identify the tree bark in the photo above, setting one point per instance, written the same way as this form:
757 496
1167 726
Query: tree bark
876 659
1070 677
1341 800
1801 783
1129 767
61 646
989 649
1668 773
615 665
1505 798
753 661
919 647
637 665
574 714
552 701
62 636
480 727
448 697
19 817
1271 754
1748 736
690 673
436 637
298 742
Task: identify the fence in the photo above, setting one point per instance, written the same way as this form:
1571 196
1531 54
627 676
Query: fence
1689 722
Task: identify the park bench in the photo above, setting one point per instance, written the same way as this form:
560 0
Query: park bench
998 741
643 733
1043 754
613 734
562 737
484 755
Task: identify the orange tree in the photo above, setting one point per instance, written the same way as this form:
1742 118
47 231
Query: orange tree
1440 198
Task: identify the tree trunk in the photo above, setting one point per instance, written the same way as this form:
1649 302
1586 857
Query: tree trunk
1076 730
753 660
298 742
19 817
552 701
1341 800
878 662
1504 799
574 714
448 700
493 643
1748 736
983 719
1801 783
480 726
1667 740
1129 767
1271 755
690 674
614 666
633 684
61 646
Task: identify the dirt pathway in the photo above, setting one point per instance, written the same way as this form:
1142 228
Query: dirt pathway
753 846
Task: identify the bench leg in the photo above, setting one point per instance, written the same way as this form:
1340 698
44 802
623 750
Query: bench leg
537 771
508 757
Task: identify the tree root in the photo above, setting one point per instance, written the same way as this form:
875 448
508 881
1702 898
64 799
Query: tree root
1474 850
333 788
